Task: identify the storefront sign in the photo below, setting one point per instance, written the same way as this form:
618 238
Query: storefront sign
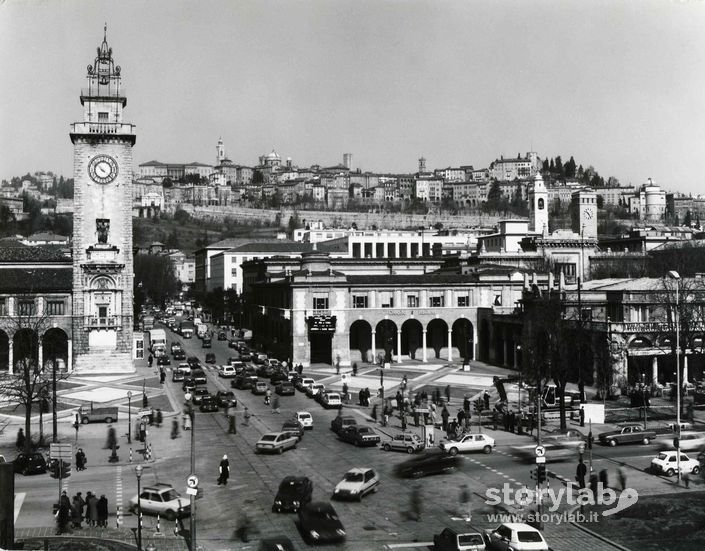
321 324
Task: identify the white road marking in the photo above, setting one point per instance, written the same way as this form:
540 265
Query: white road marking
19 500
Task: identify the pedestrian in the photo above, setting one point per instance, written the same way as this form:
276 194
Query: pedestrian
103 511
367 396
374 413
581 473
622 476
604 480
267 396
505 420
444 417
437 396
495 419
520 422
686 479
92 503
385 415
275 405
112 438
159 417
300 368
246 416
80 460
174 429
63 515
224 470
464 500
403 420
447 394
81 503
415 503
461 417
345 393
150 360
486 399
399 399
532 423
19 443
150 417
354 369
404 383
416 417
512 421
162 375
76 517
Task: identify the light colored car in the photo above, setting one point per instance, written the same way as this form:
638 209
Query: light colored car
313 389
305 418
357 483
161 499
472 442
689 441
226 371
406 442
331 400
667 463
276 442
456 539
304 383
186 368
516 536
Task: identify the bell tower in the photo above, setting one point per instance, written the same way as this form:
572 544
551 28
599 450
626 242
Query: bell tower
102 224
538 206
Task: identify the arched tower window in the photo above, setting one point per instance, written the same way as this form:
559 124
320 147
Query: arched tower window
540 205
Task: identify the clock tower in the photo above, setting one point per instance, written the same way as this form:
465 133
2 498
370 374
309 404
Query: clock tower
102 223
584 212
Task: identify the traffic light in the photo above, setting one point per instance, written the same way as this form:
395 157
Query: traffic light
541 473
532 474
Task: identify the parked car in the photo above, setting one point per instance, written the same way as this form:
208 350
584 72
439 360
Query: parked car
627 434
259 388
303 384
313 389
207 343
456 539
226 371
198 394
434 461
277 442
273 362
688 441
340 422
209 404
232 343
295 427
210 358
225 398
246 355
260 358
293 493
331 400
285 388
360 435
161 499
29 463
199 376
319 523
667 463
516 536
474 442
356 484
305 418
278 376
407 442
243 382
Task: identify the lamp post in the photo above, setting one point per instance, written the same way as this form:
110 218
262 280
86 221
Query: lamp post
192 519
676 276
129 417
138 474
518 351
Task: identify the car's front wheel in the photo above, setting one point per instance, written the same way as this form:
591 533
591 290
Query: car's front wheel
670 472
387 448
696 470
646 441
612 443
487 449
453 451
410 450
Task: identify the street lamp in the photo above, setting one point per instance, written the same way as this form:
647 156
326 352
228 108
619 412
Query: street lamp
676 276
129 417
138 473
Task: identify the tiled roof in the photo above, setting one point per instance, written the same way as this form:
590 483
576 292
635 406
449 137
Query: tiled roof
48 253
34 280
153 163
279 246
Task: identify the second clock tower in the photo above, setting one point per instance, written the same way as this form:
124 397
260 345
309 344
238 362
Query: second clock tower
102 223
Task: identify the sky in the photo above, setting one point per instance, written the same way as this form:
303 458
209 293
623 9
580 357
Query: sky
618 85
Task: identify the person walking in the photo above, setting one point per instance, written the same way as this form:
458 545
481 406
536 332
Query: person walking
444 417
486 399
224 470
80 460
622 476
275 405
19 443
159 418
63 515
92 503
76 516
81 503
345 393
174 428
581 473
447 391
246 416
103 511
374 413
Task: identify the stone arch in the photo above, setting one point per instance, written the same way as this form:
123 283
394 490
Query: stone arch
25 347
386 339
360 341
55 346
411 338
4 351
463 338
437 336
638 341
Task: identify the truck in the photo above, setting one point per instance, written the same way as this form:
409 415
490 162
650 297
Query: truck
186 329
157 342
147 323
98 415
202 330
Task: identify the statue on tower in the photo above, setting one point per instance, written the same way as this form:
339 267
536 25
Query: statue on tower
102 227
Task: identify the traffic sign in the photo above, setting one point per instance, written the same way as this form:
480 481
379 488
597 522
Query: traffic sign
192 481
540 451
61 451
192 491
344 377
541 460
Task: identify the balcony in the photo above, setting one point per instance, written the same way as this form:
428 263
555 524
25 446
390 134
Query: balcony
108 322
103 128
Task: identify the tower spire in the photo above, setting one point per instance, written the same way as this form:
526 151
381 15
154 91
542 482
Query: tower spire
105 32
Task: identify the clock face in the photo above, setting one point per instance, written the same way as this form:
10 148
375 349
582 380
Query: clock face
102 169
588 213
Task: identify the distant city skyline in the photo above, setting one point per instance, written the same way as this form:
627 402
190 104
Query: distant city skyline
614 84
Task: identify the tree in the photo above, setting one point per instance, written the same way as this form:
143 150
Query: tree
569 168
167 182
29 383
155 278
172 242
182 217
559 165
600 201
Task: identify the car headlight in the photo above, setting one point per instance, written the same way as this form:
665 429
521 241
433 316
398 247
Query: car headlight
296 504
278 502
340 532
315 535
353 491
336 490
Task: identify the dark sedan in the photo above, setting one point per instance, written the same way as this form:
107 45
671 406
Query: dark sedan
292 425
319 523
225 398
285 389
30 463
163 360
242 382
189 384
208 404
434 461
179 355
360 435
198 394
294 492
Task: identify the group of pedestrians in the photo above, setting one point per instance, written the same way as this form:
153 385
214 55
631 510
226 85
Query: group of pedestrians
71 513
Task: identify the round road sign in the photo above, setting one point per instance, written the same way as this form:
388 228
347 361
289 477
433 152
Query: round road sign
192 481
540 451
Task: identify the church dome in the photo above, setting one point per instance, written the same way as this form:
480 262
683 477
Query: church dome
273 155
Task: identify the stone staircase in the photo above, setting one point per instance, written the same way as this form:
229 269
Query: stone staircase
104 362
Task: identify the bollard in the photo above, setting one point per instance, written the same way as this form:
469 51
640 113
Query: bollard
149 451
130 455
118 518
158 531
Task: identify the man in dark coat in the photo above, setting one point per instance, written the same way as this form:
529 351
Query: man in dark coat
444 416
580 474
448 394
224 470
